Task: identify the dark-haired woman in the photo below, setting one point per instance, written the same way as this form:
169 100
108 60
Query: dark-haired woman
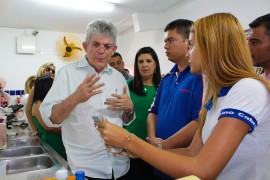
50 135
142 89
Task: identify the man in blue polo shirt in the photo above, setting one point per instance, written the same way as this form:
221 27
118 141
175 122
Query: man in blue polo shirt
179 95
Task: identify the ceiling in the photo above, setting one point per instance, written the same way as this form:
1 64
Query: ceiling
29 14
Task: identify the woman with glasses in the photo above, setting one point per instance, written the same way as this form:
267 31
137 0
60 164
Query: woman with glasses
47 69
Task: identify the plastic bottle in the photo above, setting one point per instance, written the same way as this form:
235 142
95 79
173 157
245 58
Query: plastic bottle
61 174
79 175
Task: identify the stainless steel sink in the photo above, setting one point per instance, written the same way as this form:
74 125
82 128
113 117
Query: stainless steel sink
22 151
31 156
25 164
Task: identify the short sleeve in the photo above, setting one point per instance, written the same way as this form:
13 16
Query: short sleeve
247 101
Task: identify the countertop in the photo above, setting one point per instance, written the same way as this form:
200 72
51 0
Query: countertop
23 139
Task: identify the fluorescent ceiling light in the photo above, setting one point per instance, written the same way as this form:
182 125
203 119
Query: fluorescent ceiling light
85 5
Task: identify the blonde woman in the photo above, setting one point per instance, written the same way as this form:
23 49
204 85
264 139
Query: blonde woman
47 69
29 83
233 138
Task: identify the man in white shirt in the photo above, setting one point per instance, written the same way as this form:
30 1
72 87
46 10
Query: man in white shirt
80 90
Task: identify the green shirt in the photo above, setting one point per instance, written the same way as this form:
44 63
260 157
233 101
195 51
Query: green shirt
141 107
53 139
40 129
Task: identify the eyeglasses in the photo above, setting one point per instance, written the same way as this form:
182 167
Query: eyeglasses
50 70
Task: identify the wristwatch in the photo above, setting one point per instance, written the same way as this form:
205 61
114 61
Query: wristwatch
159 145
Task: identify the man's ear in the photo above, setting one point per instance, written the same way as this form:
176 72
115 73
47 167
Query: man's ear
84 46
114 49
187 44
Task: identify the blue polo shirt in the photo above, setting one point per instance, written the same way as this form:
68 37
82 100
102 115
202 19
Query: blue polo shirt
177 102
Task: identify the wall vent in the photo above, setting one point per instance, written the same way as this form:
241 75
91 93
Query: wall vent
26 45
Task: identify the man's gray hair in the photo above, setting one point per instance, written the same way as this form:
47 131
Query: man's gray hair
102 27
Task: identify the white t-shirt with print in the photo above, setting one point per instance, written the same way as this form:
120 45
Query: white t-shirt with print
249 101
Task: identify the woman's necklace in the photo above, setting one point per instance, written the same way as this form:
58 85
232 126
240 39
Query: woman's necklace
145 90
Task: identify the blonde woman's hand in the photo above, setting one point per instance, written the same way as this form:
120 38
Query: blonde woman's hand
112 134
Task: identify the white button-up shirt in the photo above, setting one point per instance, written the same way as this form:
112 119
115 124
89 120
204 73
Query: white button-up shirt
84 146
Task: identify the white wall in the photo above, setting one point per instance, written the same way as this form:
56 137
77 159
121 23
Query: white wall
129 43
15 68
246 11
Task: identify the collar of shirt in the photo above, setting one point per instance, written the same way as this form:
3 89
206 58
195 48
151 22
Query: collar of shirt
223 92
174 70
84 63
